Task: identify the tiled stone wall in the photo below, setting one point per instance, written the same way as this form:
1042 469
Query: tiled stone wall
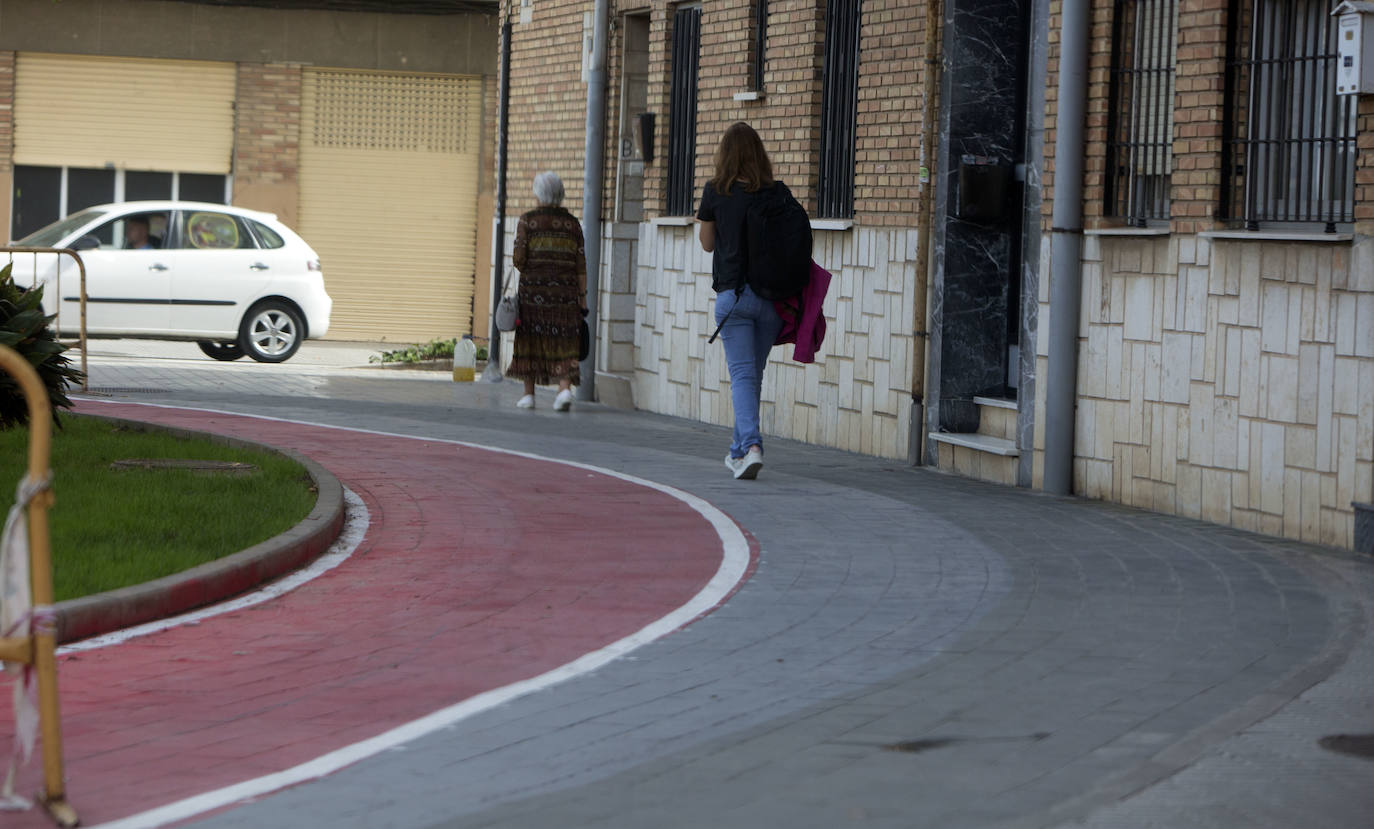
856 396
1228 380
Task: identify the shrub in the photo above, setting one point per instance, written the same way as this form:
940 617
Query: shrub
432 350
24 328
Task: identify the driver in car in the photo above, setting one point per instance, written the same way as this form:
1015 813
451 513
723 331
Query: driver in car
136 235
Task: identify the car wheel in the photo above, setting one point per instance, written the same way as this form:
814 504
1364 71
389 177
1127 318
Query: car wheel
221 351
271 332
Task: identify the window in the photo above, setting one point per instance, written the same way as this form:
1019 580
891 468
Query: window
137 231
1290 139
758 45
203 230
43 195
1141 111
839 101
266 235
682 118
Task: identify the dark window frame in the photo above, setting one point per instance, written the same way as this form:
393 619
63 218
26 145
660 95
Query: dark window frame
680 194
839 109
758 45
1140 111
1289 141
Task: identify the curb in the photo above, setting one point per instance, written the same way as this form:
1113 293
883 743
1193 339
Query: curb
216 580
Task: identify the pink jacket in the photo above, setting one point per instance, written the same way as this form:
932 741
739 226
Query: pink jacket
803 321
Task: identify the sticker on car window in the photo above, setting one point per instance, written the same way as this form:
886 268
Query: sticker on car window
212 230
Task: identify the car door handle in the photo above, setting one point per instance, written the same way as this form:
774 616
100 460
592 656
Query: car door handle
257 266
157 266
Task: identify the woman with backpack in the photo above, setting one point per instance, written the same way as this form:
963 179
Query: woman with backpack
748 323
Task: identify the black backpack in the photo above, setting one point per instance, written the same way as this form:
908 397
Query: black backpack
777 247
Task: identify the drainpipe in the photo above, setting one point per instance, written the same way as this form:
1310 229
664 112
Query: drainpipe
925 218
492 373
1066 248
592 175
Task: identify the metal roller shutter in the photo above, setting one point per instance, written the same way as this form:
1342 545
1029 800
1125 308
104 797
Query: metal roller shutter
388 197
79 111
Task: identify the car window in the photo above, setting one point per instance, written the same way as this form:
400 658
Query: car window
210 230
52 234
132 232
269 237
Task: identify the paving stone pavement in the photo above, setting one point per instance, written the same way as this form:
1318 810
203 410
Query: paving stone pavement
914 649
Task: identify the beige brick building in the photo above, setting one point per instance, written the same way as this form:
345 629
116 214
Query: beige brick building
372 141
1225 335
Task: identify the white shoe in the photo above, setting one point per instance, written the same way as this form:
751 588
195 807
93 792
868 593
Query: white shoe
745 468
563 401
526 402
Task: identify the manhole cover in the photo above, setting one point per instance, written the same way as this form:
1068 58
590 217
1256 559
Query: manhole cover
205 467
127 390
1356 745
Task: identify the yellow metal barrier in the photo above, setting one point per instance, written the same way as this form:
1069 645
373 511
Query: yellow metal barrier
39 648
57 284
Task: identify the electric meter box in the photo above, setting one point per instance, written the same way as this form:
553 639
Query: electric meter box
1354 47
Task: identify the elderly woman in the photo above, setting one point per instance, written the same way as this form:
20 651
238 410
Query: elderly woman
553 295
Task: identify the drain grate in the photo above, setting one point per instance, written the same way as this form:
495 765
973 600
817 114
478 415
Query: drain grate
1356 745
916 746
127 390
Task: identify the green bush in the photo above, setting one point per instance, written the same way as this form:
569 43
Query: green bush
24 328
432 350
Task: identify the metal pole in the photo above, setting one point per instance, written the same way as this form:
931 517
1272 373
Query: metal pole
1066 248
492 373
594 167
926 218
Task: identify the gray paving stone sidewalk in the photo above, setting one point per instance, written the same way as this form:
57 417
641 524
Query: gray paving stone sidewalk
914 650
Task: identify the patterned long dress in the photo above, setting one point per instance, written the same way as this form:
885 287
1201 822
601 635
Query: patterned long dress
553 270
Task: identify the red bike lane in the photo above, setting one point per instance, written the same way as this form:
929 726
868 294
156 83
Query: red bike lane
478 569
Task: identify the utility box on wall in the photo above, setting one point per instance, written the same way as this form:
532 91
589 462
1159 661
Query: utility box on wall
1354 47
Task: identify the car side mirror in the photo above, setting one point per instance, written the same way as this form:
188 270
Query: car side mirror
87 242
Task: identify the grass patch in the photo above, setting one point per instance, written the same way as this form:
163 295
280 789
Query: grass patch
113 528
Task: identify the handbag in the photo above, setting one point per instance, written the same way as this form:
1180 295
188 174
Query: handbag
584 339
508 309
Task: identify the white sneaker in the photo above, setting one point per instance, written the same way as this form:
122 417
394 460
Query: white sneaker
526 402
563 401
745 468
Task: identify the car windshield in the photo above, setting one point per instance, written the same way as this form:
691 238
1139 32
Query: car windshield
58 230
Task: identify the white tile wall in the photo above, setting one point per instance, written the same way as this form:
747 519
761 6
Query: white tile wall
1240 391
857 394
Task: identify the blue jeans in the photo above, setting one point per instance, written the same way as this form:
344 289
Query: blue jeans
748 336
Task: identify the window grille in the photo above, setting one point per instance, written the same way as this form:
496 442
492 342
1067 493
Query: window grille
682 118
760 43
839 101
1289 139
1141 111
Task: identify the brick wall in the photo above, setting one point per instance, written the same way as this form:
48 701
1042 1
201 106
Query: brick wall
888 152
1196 182
267 138
1364 168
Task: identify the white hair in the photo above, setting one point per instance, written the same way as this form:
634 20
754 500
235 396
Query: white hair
548 188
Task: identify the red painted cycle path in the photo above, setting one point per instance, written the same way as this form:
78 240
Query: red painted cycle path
478 569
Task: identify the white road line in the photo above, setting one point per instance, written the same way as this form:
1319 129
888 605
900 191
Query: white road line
733 567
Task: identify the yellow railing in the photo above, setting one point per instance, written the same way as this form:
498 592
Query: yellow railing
57 289
39 647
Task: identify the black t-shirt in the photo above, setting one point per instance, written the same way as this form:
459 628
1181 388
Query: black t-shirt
729 212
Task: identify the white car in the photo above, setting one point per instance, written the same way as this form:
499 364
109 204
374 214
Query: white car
235 281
